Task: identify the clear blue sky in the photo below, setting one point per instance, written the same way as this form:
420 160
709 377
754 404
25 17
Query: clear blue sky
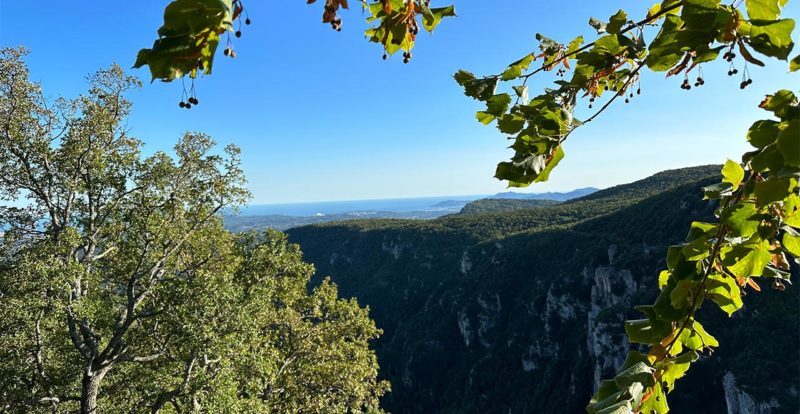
319 116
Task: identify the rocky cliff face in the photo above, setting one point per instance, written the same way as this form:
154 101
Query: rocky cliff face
530 322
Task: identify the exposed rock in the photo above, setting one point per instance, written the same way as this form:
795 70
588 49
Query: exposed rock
487 318
606 346
464 327
739 402
466 264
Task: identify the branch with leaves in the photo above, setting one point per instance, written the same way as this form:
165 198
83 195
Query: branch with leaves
759 206
193 29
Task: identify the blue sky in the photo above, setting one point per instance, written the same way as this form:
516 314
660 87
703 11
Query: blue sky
320 116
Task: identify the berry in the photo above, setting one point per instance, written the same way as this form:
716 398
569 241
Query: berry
627 100
385 57
227 51
247 21
238 33
639 91
182 104
188 106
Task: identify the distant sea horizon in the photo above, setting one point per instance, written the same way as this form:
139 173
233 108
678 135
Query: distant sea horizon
408 204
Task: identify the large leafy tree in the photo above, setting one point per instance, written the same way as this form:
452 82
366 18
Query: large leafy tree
122 292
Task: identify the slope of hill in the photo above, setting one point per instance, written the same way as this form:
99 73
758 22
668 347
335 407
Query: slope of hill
487 205
522 311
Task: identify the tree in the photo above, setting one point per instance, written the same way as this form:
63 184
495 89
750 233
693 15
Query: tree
121 289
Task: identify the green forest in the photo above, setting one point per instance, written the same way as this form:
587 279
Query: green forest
131 283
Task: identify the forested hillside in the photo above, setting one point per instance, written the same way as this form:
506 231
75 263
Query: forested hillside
521 311
487 205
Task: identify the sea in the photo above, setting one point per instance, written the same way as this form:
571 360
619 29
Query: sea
401 205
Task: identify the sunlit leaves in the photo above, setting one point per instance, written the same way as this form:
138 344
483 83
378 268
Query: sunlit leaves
431 17
397 22
772 38
764 9
732 173
188 39
515 69
724 291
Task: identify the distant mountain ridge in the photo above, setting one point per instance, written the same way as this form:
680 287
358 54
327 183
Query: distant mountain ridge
557 196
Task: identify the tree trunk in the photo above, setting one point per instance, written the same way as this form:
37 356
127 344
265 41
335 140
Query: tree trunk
90 389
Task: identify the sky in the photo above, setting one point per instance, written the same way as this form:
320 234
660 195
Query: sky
319 115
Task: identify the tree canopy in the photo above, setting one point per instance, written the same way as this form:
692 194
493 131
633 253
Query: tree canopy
122 291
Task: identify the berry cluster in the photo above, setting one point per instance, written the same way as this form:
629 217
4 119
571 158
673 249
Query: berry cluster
745 83
729 56
685 85
406 57
561 72
229 52
336 24
189 102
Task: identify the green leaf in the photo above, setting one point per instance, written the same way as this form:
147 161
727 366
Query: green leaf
724 291
742 219
515 69
558 155
772 38
646 331
747 259
575 44
616 22
794 64
789 143
703 17
433 16
791 244
657 403
763 133
484 117
598 25
675 368
732 173
696 338
684 294
662 278
773 189
498 104
480 89
510 124
763 9
716 191
640 372
779 102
